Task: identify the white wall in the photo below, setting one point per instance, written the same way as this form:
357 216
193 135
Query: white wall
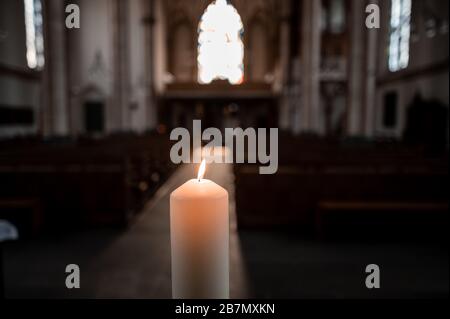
88 47
95 44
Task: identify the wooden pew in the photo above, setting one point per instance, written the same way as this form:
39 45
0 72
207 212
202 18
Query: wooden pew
322 173
382 219
88 182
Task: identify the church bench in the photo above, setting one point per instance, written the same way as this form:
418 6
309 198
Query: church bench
291 197
381 219
93 182
71 194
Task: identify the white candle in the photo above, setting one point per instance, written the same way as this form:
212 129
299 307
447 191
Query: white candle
199 240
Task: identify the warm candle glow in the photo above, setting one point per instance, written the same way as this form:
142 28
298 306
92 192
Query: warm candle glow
201 170
199 228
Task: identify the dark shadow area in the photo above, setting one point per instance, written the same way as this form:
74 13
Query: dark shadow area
35 268
281 265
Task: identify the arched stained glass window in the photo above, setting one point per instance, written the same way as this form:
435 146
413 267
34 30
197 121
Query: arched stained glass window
220 47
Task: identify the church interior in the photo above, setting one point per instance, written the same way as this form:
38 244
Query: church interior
360 100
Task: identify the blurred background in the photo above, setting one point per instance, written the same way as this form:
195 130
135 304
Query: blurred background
85 117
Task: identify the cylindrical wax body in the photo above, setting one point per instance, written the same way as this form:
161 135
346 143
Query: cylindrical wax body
199 230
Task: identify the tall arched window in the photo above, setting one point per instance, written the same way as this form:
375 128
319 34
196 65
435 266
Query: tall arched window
400 31
34 34
220 47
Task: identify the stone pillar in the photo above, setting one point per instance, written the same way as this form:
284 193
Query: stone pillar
121 107
357 70
149 59
371 74
56 113
284 48
308 114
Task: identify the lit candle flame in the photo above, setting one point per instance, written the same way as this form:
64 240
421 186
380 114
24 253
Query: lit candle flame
201 170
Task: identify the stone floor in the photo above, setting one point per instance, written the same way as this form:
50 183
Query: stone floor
135 263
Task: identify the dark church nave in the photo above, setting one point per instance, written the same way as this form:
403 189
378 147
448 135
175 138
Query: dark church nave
224 149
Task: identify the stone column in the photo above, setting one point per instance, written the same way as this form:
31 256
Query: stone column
284 48
371 74
56 119
149 22
308 115
357 60
121 107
